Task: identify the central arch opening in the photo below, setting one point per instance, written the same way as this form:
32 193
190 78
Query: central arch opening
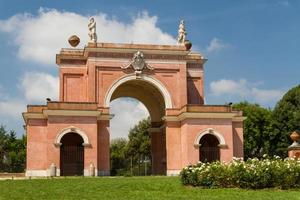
148 107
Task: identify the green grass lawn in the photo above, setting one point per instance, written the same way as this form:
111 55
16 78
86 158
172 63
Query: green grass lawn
128 188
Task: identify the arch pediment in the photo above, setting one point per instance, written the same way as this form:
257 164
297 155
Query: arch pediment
221 139
71 129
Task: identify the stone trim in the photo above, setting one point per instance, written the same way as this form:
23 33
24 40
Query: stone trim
27 116
36 173
40 173
71 129
86 172
189 115
210 131
123 61
294 146
125 53
163 90
239 119
85 113
46 113
105 117
173 172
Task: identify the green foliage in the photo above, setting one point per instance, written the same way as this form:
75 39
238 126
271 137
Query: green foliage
254 174
128 156
139 139
257 129
286 119
12 151
267 131
138 147
119 163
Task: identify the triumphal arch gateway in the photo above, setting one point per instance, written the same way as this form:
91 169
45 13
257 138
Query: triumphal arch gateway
71 136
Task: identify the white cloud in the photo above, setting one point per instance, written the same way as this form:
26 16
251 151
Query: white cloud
40 37
215 45
225 86
12 108
34 88
245 90
266 95
128 112
38 86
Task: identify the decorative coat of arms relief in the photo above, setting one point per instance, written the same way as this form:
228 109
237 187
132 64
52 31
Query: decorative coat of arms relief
138 64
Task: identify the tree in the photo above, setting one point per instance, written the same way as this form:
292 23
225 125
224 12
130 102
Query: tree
286 119
257 129
139 144
3 147
126 155
12 151
17 153
119 163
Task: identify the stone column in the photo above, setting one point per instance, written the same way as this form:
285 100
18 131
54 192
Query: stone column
158 151
103 148
173 148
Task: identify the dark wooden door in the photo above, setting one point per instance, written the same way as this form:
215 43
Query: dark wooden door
209 149
72 155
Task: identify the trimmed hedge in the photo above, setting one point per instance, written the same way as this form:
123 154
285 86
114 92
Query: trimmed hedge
253 173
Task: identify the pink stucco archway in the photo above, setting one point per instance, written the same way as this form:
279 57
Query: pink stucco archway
172 89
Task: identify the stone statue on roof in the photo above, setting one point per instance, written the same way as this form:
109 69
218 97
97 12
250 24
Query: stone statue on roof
181 33
92 30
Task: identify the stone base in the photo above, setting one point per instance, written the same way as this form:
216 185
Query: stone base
294 153
173 172
86 172
45 173
40 173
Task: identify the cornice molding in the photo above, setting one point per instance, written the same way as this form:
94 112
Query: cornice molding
188 115
78 113
84 113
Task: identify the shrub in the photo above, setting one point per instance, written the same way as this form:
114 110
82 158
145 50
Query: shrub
253 173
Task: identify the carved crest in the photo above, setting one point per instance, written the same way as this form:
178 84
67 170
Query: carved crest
138 63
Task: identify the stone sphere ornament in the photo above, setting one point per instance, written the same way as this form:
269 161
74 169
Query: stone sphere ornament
295 136
74 40
187 44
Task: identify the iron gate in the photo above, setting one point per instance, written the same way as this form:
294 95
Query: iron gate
71 160
209 154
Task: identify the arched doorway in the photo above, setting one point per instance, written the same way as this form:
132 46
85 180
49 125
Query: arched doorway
71 155
154 99
209 149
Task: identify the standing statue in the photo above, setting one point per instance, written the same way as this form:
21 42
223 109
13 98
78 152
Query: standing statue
181 33
92 30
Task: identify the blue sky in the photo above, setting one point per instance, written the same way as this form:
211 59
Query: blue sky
252 46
